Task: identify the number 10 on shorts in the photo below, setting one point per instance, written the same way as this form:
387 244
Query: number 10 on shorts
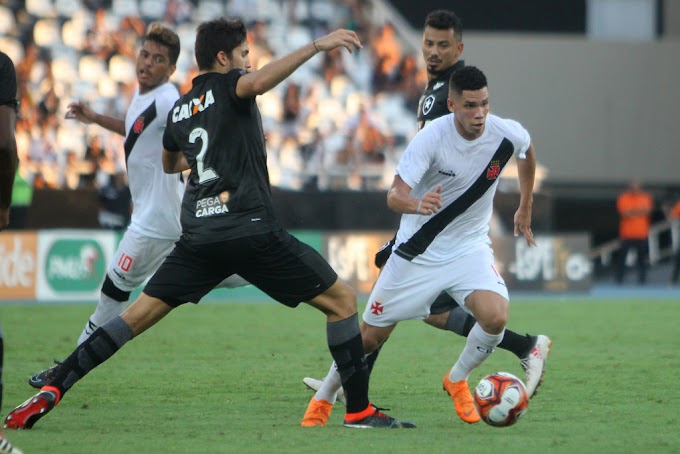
125 262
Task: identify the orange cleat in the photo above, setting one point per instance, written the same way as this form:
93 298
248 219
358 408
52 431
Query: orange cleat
317 414
462 399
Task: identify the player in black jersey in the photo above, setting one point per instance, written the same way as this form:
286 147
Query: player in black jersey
442 46
8 169
228 222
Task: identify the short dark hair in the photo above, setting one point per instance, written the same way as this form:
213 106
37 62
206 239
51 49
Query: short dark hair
217 35
165 37
467 78
442 19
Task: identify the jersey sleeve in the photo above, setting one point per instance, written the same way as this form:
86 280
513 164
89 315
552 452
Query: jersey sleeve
165 103
519 137
231 78
417 157
169 141
8 83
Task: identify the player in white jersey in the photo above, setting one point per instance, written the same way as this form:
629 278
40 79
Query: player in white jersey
156 195
444 189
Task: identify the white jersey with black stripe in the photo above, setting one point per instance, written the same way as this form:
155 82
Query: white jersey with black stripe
156 195
439 155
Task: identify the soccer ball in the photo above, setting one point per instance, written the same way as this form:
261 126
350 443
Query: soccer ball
501 399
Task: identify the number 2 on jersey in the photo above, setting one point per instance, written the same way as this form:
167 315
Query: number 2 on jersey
204 175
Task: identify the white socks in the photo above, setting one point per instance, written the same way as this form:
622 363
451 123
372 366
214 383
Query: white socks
479 346
331 384
107 308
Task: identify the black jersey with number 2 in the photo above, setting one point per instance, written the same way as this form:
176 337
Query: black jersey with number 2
228 193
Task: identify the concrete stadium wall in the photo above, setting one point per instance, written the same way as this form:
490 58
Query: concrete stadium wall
598 111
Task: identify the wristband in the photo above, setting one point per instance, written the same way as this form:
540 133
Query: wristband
420 202
315 48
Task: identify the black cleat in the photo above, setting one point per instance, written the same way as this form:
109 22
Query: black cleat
379 420
43 378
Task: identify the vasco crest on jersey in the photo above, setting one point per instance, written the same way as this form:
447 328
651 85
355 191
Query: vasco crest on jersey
494 170
192 107
211 206
138 127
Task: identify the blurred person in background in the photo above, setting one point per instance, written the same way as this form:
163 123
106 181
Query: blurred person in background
635 209
672 212
8 169
115 203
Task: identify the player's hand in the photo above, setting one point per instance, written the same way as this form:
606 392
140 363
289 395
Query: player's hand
81 112
523 225
345 38
431 202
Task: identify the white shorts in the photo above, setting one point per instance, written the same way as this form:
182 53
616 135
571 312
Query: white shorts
139 256
405 290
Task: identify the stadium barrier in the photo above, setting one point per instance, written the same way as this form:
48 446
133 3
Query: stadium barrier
69 264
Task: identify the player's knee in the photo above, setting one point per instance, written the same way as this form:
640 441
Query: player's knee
344 300
112 291
495 324
348 298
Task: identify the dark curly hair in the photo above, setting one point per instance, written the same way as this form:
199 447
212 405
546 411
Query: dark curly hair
467 78
443 20
217 35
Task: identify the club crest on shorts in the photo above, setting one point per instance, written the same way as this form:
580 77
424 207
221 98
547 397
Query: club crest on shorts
377 308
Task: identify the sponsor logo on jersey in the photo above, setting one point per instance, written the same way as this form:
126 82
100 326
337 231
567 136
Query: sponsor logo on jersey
494 170
192 107
427 104
448 173
138 127
211 206
438 85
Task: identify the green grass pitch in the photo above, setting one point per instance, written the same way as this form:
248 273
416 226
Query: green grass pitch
228 378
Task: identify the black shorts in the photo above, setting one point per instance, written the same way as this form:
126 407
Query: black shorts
275 262
384 253
443 303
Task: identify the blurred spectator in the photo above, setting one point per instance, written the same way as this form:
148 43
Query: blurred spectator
178 12
291 109
365 137
332 64
321 101
260 50
635 208
409 81
387 49
95 156
672 211
115 202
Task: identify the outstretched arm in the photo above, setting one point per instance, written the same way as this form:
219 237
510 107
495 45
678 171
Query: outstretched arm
82 112
527 171
270 75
